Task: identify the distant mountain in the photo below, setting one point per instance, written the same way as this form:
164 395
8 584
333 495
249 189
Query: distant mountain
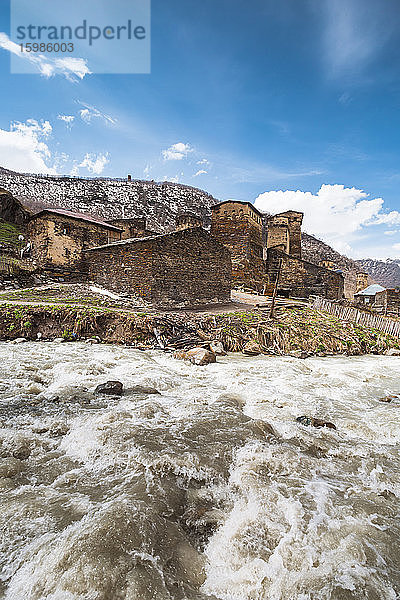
386 272
159 202
315 250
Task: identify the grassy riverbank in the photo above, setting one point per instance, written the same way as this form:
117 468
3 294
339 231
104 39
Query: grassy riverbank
294 329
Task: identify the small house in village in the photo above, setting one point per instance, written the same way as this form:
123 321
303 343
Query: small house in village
367 296
388 301
59 236
184 267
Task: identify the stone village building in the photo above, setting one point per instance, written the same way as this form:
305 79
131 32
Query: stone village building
187 266
389 301
59 236
239 226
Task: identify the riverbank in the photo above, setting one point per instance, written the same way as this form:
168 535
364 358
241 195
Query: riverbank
296 329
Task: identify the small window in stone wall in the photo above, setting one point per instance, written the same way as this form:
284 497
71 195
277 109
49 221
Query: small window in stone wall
66 229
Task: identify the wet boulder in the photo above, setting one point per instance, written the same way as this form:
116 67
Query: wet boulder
312 422
143 389
110 388
393 352
10 467
197 356
201 356
388 398
299 354
252 348
22 451
218 348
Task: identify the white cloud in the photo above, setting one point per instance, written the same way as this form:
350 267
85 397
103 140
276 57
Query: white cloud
392 232
89 113
94 163
354 32
68 119
334 214
396 247
203 161
177 151
201 172
147 170
71 68
22 147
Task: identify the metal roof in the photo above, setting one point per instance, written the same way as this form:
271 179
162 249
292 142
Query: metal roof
371 290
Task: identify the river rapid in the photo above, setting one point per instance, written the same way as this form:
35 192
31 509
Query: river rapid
208 490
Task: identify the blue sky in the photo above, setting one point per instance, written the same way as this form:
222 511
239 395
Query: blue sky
244 98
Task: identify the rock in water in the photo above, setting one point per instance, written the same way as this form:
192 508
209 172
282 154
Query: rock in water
218 348
111 388
388 398
197 356
310 421
393 352
143 389
252 348
201 356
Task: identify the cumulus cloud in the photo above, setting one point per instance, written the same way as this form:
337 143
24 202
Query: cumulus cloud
177 151
94 163
88 113
203 161
23 148
334 214
201 172
71 68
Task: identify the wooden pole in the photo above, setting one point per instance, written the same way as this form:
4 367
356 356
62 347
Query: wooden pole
278 274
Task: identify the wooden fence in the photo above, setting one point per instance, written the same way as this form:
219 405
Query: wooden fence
366 319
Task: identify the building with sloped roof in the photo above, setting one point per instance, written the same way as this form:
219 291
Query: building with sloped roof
367 295
184 267
59 236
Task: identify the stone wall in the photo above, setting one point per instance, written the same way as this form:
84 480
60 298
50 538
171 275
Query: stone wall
303 279
133 228
389 300
186 267
239 228
58 241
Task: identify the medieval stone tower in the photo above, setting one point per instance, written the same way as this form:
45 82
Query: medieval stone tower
238 226
362 281
284 232
188 221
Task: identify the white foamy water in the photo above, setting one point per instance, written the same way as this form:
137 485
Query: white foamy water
187 494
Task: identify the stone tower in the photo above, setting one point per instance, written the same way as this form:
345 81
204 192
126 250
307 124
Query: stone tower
362 281
284 232
238 226
188 221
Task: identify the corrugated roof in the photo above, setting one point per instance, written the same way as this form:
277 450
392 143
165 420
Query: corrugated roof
76 215
371 290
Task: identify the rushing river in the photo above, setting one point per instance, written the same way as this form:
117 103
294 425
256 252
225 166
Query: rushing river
189 494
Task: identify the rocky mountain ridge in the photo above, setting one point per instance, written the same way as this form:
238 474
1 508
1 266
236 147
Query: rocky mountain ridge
159 202
386 272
